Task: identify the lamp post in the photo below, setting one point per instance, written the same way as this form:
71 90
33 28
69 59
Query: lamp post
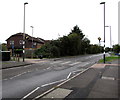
32 41
24 33
104 31
110 36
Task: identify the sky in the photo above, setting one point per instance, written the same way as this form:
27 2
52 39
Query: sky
54 18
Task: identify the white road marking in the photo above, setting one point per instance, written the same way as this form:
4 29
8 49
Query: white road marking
52 83
48 68
78 70
11 68
30 93
27 66
5 79
56 62
66 62
60 84
108 78
29 71
44 93
16 75
74 63
17 67
69 75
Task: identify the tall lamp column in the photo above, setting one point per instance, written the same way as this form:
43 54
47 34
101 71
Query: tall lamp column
32 41
24 34
110 37
104 32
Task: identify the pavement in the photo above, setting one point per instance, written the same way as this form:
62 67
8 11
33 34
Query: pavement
98 81
11 64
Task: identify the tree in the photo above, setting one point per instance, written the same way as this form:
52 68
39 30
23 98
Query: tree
78 31
74 44
116 48
64 46
4 47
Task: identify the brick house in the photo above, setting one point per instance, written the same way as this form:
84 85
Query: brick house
16 42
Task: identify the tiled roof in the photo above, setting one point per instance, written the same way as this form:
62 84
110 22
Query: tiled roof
28 37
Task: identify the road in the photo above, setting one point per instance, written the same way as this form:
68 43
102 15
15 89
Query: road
32 80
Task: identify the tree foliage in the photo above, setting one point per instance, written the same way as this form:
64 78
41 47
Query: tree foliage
4 47
116 48
75 43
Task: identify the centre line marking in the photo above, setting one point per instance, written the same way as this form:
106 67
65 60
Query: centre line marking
56 62
30 93
66 62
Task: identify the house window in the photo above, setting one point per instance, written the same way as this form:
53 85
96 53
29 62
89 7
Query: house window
34 43
21 41
12 42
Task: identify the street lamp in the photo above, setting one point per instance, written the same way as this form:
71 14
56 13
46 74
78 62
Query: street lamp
110 36
32 41
24 33
104 31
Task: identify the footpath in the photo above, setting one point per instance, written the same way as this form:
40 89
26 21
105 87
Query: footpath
99 81
11 64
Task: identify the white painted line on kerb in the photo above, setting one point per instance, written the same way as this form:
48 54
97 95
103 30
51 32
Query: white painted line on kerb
74 63
66 62
30 93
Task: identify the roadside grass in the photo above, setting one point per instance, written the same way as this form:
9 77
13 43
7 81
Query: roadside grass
110 58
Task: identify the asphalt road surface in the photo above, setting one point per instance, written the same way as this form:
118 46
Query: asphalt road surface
31 80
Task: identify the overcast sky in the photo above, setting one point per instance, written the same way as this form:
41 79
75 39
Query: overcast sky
54 18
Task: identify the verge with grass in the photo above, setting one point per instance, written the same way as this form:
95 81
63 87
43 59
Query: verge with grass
110 58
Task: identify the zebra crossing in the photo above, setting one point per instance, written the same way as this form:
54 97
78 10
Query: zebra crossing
70 63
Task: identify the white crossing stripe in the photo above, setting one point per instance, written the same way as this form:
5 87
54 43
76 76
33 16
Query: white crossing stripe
74 63
66 62
56 62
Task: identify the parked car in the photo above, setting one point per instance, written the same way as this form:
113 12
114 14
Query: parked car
40 56
118 54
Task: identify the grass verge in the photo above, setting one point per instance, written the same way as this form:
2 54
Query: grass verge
110 58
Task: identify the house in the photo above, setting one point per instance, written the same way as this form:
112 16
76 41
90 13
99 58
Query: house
15 42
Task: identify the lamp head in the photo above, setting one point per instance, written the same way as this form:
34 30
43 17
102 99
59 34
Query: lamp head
102 3
25 3
31 26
